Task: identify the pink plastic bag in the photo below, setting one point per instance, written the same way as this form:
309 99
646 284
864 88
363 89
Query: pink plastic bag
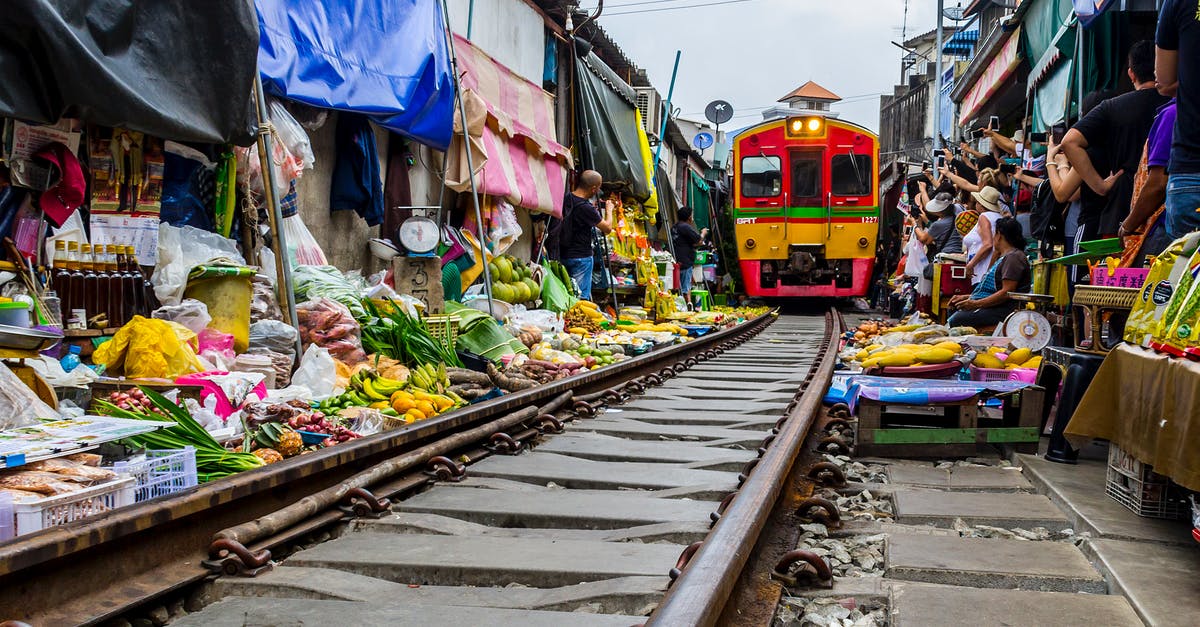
225 405
214 341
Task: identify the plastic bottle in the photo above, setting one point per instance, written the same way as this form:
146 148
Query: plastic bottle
70 361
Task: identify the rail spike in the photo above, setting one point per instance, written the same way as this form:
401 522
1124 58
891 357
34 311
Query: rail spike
827 474
784 573
820 510
231 558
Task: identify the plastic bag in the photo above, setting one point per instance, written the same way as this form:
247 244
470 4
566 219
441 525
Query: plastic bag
19 406
273 335
294 137
303 249
231 389
316 373
179 250
263 305
190 313
214 341
281 362
555 296
150 348
328 324
543 319
313 282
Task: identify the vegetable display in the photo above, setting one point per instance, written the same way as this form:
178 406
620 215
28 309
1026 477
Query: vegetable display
403 337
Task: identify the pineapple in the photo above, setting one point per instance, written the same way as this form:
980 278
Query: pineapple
289 443
268 455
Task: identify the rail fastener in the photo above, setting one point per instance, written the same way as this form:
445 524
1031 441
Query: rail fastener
820 510
786 573
827 474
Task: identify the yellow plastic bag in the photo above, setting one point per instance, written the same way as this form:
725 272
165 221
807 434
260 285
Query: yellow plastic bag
150 348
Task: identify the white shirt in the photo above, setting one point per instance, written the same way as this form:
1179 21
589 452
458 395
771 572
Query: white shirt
973 242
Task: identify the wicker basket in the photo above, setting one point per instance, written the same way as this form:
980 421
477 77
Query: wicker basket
1099 316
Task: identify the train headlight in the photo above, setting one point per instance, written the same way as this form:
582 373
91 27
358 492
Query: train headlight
750 242
814 125
863 242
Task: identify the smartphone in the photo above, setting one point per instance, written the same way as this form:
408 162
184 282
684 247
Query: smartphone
994 123
1057 132
1038 138
1008 168
940 161
926 165
977 134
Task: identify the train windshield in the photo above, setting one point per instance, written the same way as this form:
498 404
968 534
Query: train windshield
762 176
806 179
850 175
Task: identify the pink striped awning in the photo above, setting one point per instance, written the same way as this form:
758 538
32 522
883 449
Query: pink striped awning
510 123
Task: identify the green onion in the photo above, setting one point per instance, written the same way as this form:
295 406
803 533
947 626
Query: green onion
404 338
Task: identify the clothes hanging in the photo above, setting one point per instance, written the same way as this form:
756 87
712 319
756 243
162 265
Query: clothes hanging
356 183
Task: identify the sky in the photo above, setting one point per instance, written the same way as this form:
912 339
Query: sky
752 52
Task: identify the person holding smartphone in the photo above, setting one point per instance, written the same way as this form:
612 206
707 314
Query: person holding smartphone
1177 70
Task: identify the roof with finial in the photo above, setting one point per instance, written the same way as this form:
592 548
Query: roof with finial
811 91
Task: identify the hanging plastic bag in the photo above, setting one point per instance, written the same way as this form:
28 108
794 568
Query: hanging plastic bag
505 229
317 373
914 265
303 249
182 248
273 335
150 348
190 313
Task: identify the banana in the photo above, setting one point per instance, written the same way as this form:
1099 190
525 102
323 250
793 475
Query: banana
371 392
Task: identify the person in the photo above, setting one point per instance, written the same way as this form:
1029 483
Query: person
989 303
1104 147
978 243
940 236
1177 70
574 231
1023 206
1150 192
686 238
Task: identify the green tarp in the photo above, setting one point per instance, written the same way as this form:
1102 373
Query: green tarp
1051 98
1042 24
608 127
698 200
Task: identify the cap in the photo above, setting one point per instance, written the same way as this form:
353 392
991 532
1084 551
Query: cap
68 192
940 204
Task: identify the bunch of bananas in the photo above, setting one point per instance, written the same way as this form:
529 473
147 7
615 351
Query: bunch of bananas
419 405
584 316
429 378
366 389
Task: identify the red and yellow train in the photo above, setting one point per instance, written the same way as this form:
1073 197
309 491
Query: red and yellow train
806 207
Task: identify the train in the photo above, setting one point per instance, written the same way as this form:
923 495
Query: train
806 207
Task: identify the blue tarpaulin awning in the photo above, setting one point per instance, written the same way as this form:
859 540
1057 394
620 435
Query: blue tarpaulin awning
384 58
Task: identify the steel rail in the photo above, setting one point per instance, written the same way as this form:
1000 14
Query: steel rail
157 546
706 582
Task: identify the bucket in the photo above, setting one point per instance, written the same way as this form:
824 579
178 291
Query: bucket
226 290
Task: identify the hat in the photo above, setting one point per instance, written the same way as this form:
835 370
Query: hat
67 193
940 204
966 221
988 198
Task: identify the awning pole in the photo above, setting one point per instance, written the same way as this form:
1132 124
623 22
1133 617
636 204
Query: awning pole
462 112
284 291
662 138
937 82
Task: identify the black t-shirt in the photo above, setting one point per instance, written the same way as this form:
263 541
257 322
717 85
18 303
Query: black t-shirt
575 231
686 237
946 238
1116 131
1178 29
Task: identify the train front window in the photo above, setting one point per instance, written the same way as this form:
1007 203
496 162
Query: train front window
806 179
762 176
850 175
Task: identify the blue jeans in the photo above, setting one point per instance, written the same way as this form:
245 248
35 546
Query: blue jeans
580 270
685 282
1183 199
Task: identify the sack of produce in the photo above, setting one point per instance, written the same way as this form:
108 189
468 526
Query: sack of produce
313 282
150 348
1170 292
328 324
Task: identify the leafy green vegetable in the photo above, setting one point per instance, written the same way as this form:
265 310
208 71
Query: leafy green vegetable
213 461
404 338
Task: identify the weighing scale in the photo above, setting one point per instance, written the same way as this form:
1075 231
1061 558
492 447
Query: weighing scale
1027 327
419 235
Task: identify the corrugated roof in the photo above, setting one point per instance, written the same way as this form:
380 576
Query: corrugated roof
811 91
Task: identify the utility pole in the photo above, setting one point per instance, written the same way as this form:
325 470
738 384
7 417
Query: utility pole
936 98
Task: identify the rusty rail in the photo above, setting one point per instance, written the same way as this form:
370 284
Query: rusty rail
699 595
68 574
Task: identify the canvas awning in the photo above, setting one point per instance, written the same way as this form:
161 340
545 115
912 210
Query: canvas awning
997 72
961 42
608 126
175 69
510 122
385 59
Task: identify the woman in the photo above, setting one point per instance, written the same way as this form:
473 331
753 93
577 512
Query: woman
686 239
990 302
978 243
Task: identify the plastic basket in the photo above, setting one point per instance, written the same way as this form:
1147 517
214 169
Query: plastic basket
443 328
164 471
1141 490
41 514
1027 375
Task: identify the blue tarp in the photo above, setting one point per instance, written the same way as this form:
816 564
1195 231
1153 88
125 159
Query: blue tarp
903 391
384 58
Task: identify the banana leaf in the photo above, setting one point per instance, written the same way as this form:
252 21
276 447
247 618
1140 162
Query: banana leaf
482 335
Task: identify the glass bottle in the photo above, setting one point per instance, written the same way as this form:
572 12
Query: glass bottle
149 300
78 296
100 265
112 287
62 274
91 289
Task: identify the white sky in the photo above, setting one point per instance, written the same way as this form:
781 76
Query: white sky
755 51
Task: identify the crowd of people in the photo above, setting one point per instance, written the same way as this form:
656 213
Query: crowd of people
1128 168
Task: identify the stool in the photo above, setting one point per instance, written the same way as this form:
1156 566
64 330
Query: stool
1078 377
701 300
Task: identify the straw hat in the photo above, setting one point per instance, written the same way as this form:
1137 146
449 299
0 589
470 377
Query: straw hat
988 198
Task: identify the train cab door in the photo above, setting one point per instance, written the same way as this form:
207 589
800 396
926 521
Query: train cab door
805 199
850 203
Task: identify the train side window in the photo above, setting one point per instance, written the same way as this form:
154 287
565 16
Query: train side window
762 176
806 179
850 175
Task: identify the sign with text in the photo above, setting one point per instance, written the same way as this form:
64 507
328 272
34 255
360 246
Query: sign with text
421 278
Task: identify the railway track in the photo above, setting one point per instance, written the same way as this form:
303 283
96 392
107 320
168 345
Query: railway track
591 517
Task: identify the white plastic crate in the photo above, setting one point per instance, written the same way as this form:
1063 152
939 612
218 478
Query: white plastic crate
36 515
162 472
1141 490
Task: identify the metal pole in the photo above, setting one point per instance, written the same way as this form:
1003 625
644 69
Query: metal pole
662 138
462 112
470 17
283 266
937 82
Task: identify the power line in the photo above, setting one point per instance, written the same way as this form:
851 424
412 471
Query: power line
690 6
757 110
621 5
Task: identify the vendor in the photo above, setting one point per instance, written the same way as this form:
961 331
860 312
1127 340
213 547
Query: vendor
570 239
990 302
686 239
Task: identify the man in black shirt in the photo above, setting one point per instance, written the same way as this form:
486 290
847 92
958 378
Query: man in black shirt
572 236
686 238
1105 146
1177 69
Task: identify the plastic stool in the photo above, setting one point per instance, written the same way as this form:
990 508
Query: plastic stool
701 300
